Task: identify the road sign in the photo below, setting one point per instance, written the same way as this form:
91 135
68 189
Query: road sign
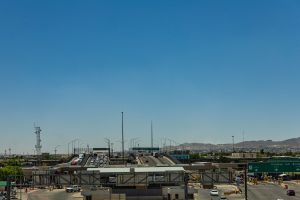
274 167
145 148
3 183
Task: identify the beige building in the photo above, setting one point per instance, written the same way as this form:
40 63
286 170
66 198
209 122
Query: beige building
99 193
244 155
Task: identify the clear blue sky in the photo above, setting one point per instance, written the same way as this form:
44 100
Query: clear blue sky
201 70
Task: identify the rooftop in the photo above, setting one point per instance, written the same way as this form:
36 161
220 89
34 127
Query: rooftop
137 169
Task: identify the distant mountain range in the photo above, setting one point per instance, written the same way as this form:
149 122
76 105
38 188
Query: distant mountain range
292 144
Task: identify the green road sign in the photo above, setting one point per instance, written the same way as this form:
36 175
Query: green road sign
274 167
3 183
145 149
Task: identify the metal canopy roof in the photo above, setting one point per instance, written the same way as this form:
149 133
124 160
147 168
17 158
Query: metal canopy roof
137 169
158 169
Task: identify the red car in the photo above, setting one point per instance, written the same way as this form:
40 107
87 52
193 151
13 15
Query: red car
290 192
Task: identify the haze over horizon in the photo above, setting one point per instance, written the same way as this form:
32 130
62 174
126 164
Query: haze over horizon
202 71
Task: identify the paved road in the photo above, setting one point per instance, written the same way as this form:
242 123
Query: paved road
271 191
262 191
53 195
166 161
153 161
204 194
148 160
255 192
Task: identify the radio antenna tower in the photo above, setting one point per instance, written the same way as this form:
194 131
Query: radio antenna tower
38 146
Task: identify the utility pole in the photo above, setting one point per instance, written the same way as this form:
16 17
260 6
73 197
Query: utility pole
112 149
244 141
233 144
108 144
55 150
186 181
151 137
8 187
245 182
123 155
69 147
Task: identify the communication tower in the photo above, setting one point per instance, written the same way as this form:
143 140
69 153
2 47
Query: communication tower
38 146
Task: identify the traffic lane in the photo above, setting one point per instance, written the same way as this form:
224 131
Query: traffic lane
296 188
204 194
293 186
262 192
164 161
155 160
255 192
148 161
88 162
268 191
50 195
170 162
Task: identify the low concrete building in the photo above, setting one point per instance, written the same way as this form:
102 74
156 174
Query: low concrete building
177 193
100 193
244 155
170 193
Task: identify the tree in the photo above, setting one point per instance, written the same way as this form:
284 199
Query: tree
11 167
262 151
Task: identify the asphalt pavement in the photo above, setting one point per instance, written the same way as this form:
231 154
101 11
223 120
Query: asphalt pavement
267 191
153 161
50 195
262 191
204 194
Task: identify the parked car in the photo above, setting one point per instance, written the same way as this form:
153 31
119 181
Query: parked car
214 193
290 192
69 189
73 188
76 188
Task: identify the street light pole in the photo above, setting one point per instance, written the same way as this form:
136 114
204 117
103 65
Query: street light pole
74 145
123 156
246 182
151 137
55 150
69 147
233 144
112 149
108 144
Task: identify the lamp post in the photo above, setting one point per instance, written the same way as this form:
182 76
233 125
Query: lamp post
69 148
55 150
233 144
137 142
133 142
108 144
112 149
80 147
123 153
74 145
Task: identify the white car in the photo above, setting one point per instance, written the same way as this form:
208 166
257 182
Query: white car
214 193
73 188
